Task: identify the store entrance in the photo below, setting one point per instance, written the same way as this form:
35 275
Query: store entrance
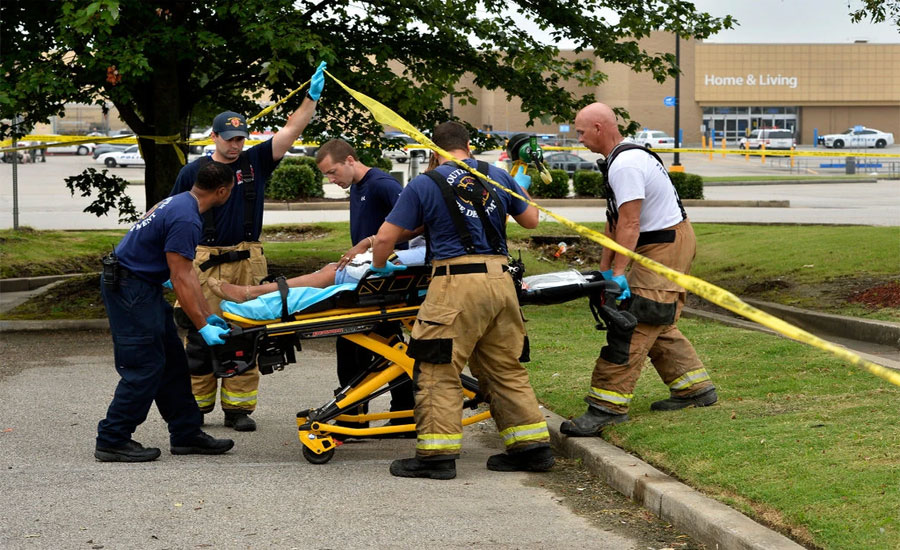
737 122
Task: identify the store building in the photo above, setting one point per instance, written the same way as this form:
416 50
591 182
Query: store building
734 88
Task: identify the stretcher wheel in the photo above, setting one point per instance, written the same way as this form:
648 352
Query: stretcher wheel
314 458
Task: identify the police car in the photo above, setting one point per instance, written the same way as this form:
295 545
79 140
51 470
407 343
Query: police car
654 138
128 157
858 136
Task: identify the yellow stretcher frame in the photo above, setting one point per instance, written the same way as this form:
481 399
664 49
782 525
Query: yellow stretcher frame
315 430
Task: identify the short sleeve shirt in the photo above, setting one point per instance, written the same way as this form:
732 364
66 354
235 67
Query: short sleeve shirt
172 225
421 202
229 218
636 175
371 199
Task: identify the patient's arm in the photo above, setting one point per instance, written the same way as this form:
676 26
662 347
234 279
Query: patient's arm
241 293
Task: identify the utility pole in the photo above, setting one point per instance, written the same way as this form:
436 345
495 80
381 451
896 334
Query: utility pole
676 165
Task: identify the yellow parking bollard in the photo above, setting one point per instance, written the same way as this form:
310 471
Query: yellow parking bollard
723 146
762 147
792 157
712 145
747 151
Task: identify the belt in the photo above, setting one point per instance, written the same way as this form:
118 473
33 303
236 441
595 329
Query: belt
656 237
462 269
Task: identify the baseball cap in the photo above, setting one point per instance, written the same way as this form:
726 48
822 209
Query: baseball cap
230 124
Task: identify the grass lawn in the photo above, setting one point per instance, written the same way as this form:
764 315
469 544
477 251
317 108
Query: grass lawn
799 440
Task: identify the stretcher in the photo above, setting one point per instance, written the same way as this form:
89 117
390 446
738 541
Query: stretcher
354 313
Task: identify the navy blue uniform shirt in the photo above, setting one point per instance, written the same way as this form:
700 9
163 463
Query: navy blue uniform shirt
229 217
421 202
371 200
172 225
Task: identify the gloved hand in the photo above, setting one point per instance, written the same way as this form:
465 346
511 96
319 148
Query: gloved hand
317 82
387 269
217 321
523 179
213 335
168 284
607 275
623 284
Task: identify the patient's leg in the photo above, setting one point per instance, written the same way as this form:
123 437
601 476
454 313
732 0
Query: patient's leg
242 293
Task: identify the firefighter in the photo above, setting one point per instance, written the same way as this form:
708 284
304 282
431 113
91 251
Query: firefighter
149 356
470 314
644 214
230 249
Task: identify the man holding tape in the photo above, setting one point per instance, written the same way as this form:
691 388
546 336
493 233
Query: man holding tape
644 214
230 249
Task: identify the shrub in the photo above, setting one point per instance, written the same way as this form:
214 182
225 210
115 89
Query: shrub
558 188
588 183
689 186
295 178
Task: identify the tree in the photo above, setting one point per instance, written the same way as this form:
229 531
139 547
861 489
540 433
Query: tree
160 61
878 11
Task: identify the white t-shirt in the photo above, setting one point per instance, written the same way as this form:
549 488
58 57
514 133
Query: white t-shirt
637 175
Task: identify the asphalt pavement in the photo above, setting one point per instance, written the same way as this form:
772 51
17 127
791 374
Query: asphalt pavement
55 387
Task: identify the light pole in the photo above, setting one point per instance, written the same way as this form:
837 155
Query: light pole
676 165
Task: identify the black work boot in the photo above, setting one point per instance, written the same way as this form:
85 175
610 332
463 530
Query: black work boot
132 451
203 444
240 421
433 469
591 422
703 398
539 459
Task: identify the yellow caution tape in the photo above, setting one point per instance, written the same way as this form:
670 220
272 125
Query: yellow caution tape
708 291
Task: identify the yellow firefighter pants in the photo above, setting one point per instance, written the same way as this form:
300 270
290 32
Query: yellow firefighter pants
472 318
238 393
621 360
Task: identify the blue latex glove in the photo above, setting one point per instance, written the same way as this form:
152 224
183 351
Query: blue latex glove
168 284
523 179
387 269
607 275
213 335
217 321
317 82
623 284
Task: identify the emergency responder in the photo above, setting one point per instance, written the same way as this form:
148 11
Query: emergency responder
644 214
470 314
149 356
230 249
373 193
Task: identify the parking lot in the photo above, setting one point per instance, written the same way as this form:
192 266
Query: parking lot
44 202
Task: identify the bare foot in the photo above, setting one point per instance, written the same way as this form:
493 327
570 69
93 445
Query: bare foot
227 291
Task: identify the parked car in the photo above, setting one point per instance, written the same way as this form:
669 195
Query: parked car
862 137
568 162
654 138
128 157
412 149
198 133
773 138
108 148
73 149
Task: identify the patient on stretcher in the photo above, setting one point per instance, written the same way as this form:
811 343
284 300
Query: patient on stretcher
323 278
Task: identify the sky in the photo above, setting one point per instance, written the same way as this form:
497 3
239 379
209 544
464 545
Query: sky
785 21
796 21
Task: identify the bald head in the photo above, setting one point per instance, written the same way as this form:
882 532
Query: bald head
597 128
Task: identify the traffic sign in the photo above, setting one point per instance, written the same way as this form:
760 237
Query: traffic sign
669 101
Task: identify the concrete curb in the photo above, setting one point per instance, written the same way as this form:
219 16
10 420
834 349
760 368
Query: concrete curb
707 520
547 203
877 332
23 284
789 182
54 325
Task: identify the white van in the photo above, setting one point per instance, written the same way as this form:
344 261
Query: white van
773 138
